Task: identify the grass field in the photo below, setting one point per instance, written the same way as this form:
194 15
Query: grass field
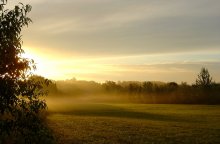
135 123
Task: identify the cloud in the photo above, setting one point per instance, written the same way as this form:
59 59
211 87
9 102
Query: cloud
126 39
111 27
157 72
161 67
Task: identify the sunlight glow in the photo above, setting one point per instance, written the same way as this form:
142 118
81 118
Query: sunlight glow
158 67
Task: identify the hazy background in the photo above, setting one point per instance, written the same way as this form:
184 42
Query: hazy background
124 40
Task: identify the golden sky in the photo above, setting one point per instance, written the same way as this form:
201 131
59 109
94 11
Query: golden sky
124 40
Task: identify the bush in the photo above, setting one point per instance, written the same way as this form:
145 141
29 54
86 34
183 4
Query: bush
20 102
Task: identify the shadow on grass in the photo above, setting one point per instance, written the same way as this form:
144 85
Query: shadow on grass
103 110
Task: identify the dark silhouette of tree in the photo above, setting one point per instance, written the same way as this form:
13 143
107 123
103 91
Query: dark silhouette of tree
148 87
19 94
204 79
172 86
111 86
13 68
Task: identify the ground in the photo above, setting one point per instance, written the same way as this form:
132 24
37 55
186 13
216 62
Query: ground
135 123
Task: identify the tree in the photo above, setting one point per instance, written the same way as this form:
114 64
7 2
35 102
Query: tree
19 95
204 79
13 68
148 86
171 86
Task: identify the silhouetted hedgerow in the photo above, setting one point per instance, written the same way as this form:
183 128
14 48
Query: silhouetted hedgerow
204 91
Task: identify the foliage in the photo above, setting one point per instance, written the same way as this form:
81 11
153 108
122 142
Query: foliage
13 68
204 79
145 92
20 103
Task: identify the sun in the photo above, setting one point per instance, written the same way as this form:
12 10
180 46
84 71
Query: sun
48 64
33 54
30 53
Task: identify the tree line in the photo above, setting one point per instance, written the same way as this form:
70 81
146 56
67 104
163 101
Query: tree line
203 91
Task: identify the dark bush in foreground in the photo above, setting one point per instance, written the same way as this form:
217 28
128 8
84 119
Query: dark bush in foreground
21 105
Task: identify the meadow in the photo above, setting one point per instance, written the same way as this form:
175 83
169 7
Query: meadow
76 122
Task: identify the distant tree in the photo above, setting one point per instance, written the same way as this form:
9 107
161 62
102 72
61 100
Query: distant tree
204 79
171 86
19 95
46 85
148 86
110 86
134 88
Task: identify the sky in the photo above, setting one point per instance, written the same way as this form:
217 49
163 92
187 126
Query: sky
143 40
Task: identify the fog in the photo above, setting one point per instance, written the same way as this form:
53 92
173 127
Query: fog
61 103
64 95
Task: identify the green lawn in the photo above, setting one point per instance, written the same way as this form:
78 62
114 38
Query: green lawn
135 123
